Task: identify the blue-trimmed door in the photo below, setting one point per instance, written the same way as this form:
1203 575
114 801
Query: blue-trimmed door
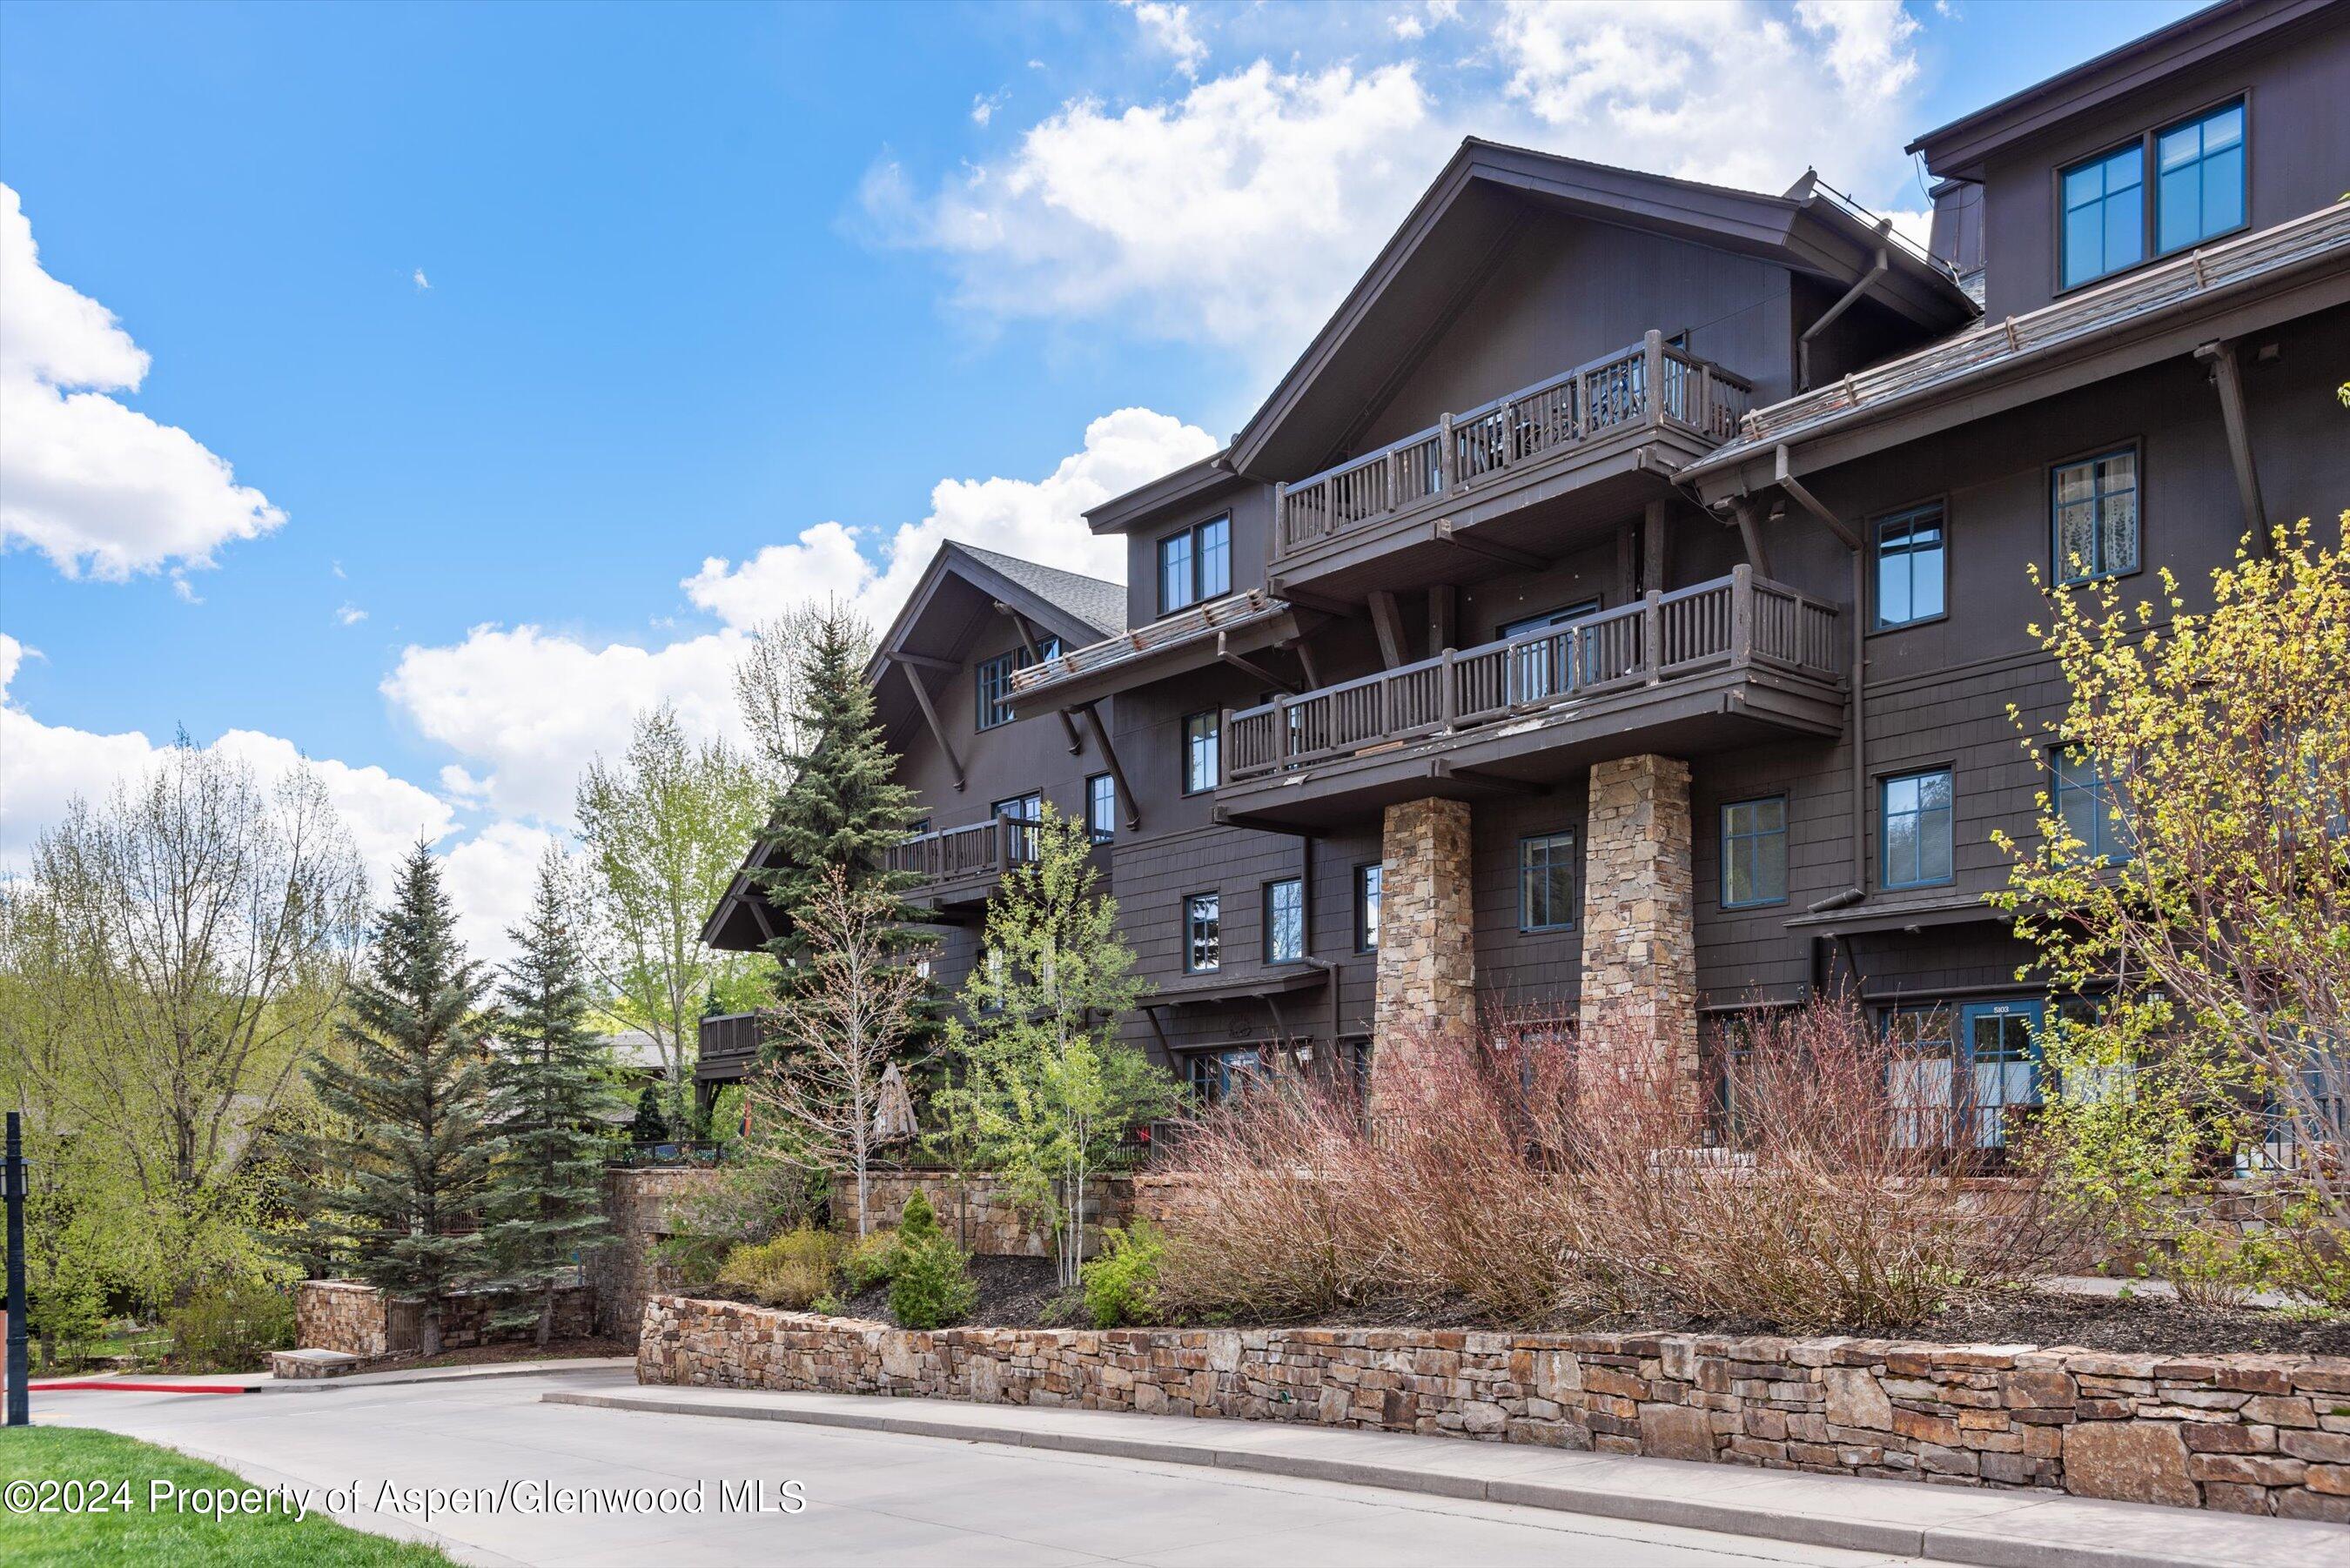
1998 1044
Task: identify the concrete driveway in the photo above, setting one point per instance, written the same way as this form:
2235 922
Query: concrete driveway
871 1497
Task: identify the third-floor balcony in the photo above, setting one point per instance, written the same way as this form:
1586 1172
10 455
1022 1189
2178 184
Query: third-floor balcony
1509 478
1725 663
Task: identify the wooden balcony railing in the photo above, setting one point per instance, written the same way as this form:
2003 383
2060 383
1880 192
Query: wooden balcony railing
1740 619
975 851
1464 449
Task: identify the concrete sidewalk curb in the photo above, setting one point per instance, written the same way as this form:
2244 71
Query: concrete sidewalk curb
2009 1530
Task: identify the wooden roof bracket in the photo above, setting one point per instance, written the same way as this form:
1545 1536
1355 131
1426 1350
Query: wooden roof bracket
1036 655
930 714
2227 377
1827 317
1783 473
1250 667
1126 801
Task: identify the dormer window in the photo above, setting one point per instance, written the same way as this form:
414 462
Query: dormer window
2109 221
1195 564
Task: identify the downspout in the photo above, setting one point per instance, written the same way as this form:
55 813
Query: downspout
1827 317
1785 478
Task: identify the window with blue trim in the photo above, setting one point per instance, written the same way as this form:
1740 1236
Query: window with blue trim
2200 179
2105 214
2094 503
1909 566
1203 740
2088 800
1755 853
1101 808
1195 564
1546 867
1284 920
1368 888
994 681
1915 829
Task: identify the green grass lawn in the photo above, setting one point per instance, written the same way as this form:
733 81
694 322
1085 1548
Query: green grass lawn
70 1454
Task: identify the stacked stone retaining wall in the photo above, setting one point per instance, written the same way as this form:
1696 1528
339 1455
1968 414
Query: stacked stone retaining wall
2256 1434
360 1320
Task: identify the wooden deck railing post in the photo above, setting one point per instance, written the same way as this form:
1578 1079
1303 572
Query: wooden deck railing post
1652 637
1741 615
1653 374
1447 699
1281 514
1444 451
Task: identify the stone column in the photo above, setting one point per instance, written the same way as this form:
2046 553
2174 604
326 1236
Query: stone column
1640 932
1427 960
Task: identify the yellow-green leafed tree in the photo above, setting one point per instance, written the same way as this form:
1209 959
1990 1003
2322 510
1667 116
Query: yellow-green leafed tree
2189 877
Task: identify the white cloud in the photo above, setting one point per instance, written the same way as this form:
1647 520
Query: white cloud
1168 29
985 105
350 615
491 878
96 487
13 655
43 766
1235 215
1701 90
420 280
525 708
1038 520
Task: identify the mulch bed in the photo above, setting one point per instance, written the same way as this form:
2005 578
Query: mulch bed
1020 1293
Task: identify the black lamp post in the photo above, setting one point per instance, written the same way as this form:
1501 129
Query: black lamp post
13 1177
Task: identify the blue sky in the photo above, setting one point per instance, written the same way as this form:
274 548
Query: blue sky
516 316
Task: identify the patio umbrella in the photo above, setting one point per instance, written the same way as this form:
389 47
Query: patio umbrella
893 1118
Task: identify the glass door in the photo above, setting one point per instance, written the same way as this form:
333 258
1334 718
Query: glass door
1020 817
1539 668
2001 1043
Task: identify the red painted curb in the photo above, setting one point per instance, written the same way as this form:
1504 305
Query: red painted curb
121 1386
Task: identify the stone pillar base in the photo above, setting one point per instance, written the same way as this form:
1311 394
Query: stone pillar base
1639 934
1426 960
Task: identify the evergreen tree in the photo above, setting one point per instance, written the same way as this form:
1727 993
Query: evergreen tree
649 1126
409 1161
842 808
546 1092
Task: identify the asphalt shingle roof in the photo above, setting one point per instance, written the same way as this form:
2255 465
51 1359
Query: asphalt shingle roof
1100 605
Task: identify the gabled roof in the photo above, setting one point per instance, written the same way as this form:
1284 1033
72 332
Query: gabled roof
1465 220
1098 603
1961 146
1068 605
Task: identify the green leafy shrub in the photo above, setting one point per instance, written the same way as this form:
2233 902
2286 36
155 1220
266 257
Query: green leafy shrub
869 1260
918 1222
230 1329
790 1271
1122 1284
826 1303
929 1279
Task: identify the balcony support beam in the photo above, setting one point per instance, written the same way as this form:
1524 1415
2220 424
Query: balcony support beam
1750 532
1036 655
1657 545
2227 377
1387 621
1443 532
1440 617
924 661
931 717
1126 801
1250 667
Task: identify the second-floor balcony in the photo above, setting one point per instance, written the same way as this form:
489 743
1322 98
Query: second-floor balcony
1582 426
957 866
1722 662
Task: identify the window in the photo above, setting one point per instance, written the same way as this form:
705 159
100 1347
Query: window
1201 769
1195 564
1215 1074
1541 667
994 681
2105 214
1920 1079
2200 179
1367 905
1909 566
1101 808
1916 839
1547 865
1020 814
1284 920
1755 853
1203 937
2096 505
2088 798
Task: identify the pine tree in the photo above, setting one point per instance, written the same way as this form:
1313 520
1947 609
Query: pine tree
842 807
407 1167
649 1126
546 1093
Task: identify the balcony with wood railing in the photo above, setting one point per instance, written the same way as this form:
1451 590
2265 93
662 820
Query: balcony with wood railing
1739 629
1650 387
963 865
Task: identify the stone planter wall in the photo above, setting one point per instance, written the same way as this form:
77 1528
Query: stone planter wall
640 1207
2257 1434
981 1214
357 1320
